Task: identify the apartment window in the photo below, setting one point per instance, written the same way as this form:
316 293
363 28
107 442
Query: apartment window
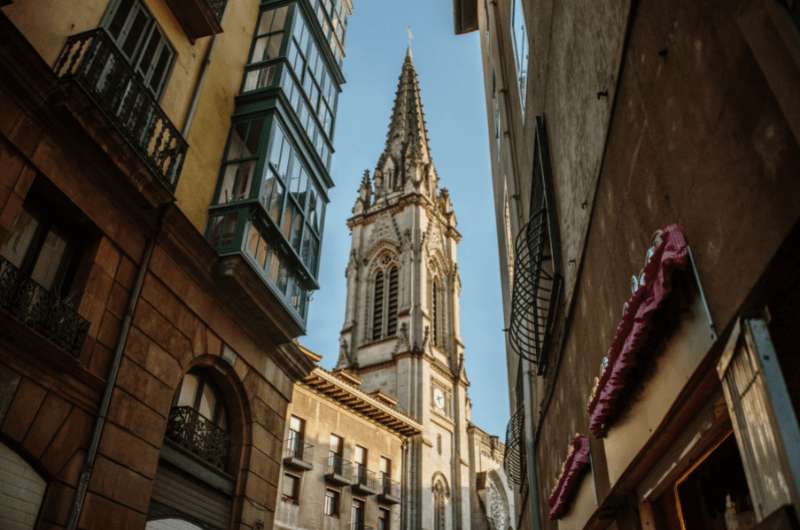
335 452
386 468
290 489
140 38
331 507
262 70
198 393
520 38
360 458
384 519
357 515
43 250
296 439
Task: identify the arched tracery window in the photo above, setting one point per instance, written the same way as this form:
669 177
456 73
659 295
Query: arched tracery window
437 312
385 298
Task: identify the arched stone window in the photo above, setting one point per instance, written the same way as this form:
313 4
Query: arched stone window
385 298
437 312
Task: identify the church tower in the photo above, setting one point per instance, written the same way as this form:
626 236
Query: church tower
401 331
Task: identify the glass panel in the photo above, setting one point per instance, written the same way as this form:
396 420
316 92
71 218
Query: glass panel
386 466
236 181
336 444
520 39
274 191
188 391
289 490
223 229
360 455
131 40
51 257
263 77
208 402
120 16
297 231
15 248
237 146
156 80
267 48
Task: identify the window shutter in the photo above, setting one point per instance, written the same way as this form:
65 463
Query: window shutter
391 325
377 308
763 417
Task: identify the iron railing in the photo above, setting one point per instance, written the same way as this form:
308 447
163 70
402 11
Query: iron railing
535 292
389 487
94 61
41 310
296 447
339 466
366 478
200 436
514 456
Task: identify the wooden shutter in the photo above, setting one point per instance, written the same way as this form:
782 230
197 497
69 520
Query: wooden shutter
763 417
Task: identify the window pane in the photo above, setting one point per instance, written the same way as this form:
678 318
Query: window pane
237 147
118 20
134 36
236 181
290 488
208 402
188 391
336 444
51 257
160 71
360 455
15 248
223 230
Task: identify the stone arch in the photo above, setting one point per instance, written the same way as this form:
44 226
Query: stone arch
497 501
441 495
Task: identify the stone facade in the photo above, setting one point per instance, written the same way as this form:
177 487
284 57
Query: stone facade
332 404
137 364
613 121
401 334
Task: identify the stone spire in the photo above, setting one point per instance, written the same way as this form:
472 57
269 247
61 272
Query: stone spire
405 164
364 199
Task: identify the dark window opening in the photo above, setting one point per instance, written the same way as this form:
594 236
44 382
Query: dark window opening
290 489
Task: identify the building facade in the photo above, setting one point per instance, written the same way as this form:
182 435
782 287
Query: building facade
401 332
163 180
343 456
644 162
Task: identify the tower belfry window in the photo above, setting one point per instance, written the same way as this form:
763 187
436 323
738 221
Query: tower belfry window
377 310
391 319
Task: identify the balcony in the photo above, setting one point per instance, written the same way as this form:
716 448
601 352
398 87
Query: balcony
390 491
42 311
298 454
93 61
339 471
366 482
514 457
198 435
199 18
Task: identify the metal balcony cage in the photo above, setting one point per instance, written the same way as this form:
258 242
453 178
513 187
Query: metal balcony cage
537 281
514 456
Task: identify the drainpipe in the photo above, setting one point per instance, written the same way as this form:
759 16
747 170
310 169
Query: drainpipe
201 77
530 443
111 382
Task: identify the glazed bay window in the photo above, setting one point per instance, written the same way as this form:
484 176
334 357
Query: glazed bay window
284 55
270 207
332 17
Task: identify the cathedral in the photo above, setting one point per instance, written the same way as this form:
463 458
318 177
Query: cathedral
401 335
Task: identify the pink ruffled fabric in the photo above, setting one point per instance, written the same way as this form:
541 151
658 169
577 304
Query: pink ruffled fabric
568 482
671 255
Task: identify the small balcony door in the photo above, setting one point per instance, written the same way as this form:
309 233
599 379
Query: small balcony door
360 459
296 437
357 515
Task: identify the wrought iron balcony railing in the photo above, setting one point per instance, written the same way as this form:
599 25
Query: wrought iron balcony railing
366 480
339 471
297 453
41 310
514 457
200 436
94 61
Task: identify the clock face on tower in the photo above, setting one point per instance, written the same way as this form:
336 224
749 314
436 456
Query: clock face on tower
438 398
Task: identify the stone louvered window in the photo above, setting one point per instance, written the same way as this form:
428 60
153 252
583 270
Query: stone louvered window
385 293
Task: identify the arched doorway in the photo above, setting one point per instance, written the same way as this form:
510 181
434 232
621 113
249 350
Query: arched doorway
440 495
21 491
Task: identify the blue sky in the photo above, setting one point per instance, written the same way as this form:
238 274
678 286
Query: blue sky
451 80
